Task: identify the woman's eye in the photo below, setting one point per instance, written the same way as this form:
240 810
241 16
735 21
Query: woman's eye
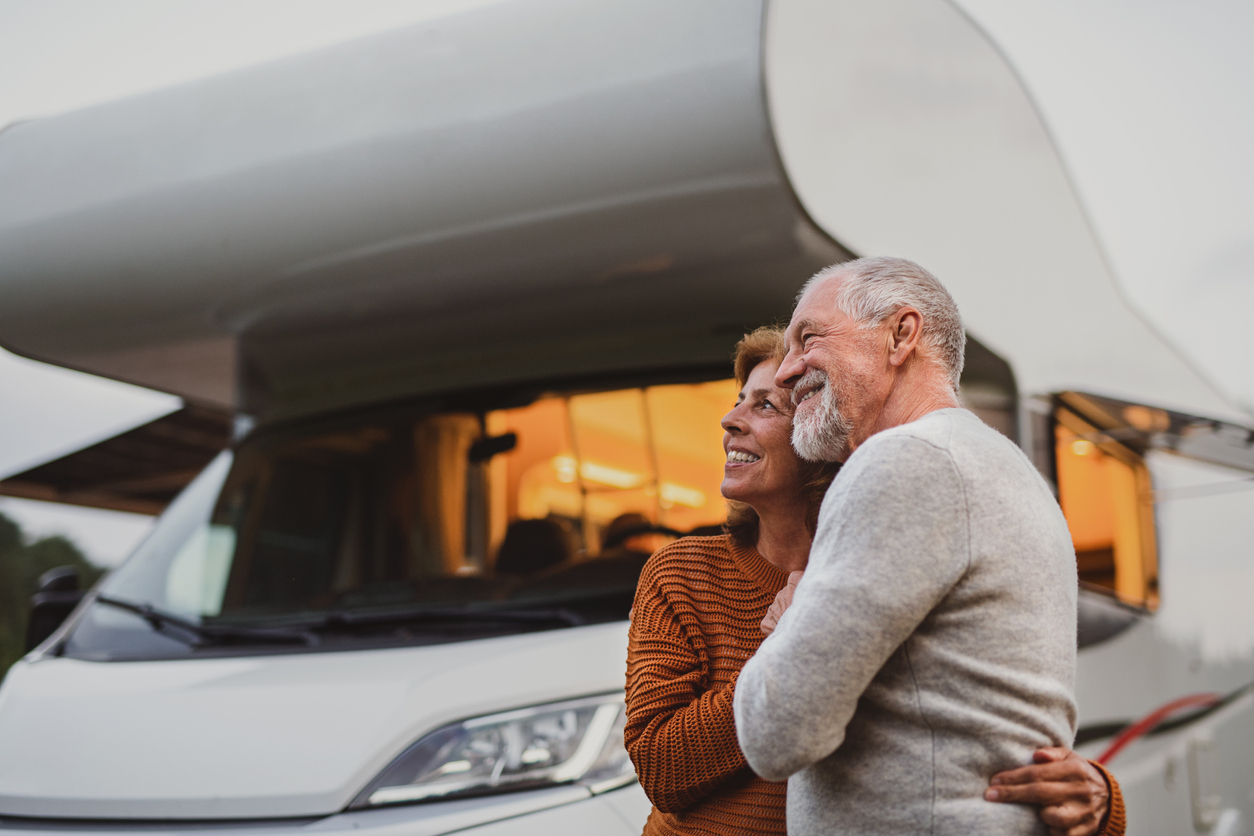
767 405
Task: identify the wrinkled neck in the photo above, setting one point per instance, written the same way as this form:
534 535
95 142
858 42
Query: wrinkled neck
783 539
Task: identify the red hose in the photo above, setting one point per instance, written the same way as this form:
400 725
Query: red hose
1147 723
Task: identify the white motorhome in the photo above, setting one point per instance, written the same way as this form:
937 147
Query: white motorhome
470 289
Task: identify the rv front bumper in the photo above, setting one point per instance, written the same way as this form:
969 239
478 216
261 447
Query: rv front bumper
559 811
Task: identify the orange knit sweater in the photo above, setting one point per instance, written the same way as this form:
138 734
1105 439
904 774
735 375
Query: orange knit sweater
697 618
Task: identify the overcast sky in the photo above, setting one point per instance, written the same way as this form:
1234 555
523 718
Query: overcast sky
1148 101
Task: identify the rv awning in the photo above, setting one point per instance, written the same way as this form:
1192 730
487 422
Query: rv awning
139 471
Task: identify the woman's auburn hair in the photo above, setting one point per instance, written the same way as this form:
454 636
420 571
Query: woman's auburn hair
766 344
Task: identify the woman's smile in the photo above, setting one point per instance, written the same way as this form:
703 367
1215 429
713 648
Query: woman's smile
740 458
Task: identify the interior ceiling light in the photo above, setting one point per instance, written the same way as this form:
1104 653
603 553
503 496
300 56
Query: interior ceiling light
567 470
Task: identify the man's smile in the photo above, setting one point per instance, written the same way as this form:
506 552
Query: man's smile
802 395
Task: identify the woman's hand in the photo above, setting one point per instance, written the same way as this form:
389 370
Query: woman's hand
783 599
1071 792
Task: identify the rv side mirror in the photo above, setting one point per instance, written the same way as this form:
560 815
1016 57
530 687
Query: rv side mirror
55 598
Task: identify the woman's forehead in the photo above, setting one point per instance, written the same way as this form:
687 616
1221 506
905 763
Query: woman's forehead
761 382
762 376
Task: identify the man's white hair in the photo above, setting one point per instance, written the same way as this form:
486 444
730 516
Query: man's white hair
876 288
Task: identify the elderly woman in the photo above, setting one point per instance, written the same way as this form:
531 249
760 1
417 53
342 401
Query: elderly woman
699 615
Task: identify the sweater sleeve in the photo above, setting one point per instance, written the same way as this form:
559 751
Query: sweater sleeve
1116 821
681 737
891 543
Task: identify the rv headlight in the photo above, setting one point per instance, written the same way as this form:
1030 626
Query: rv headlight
576 740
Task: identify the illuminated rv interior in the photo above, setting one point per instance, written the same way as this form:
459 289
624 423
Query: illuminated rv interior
591 458
574 462
1106 495
1105 487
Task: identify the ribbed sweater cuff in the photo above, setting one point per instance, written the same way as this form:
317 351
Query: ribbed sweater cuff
1116 821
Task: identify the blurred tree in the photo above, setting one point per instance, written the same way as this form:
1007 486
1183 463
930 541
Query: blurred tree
21 564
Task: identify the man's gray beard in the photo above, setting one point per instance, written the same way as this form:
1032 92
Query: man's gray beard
823 434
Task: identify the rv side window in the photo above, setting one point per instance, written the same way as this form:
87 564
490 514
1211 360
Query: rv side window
1106 495
1117 466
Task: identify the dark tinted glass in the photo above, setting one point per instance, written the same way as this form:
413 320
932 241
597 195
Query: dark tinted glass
419 528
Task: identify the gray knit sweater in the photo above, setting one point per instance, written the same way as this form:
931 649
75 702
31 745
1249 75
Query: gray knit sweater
930 644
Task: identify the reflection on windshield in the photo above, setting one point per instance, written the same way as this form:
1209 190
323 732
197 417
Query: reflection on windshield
198 573
146 576
431 527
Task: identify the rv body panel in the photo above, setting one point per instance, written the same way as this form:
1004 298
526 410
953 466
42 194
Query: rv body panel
528 190
581 187
334 721
905 131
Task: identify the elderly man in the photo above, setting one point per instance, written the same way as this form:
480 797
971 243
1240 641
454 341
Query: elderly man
931 642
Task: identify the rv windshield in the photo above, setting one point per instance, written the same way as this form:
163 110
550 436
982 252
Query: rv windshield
419 527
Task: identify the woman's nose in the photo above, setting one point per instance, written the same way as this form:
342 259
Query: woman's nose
732 422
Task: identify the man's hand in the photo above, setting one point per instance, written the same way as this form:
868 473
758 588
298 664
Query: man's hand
782 601
1072 793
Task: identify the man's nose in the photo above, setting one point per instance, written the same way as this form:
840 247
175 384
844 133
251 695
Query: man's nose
790 370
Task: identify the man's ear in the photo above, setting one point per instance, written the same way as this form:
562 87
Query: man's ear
905 330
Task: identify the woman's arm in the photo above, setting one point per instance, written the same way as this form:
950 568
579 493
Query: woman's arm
681 736
1077 797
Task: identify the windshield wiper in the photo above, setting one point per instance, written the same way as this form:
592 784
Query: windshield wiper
349 618
202 635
